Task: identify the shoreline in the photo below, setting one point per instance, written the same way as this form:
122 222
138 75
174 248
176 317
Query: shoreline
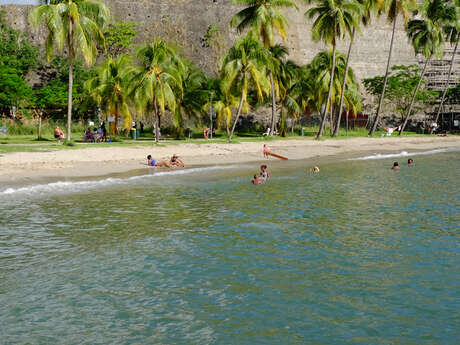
30 167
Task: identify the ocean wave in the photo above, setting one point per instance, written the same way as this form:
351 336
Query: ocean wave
401 154
76 186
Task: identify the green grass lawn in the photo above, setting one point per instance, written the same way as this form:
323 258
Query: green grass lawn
29 143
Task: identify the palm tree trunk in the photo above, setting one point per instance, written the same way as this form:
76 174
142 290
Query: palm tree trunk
272 128
40 113
240 106
323 117
382 95
344 84
447 83
331 120
157 124
413 97
69 97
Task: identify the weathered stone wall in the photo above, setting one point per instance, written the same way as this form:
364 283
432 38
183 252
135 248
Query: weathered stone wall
186 22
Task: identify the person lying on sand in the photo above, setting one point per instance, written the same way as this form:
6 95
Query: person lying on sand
176 161
153 163
395 166
256 180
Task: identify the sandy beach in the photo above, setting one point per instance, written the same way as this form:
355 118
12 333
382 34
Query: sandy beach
99 160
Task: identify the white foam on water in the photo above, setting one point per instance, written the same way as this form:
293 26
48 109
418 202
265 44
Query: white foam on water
76 186
401 154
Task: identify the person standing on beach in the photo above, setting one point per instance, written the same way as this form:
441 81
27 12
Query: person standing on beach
265 150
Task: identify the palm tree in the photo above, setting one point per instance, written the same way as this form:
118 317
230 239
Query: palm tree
157 81
367 9
427 38
333 19
452 32
394 9
243 71
263 17
76 24
110 88
190 96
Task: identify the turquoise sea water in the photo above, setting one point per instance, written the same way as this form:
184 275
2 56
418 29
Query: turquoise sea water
357 254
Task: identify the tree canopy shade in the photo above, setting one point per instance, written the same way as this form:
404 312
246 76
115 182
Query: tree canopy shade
244 70
76 24
157 82
14 90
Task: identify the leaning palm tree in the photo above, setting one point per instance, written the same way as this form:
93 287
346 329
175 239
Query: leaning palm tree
427 38
394 9
77 25
110 88
452 33
157 81
263 18
244 71
367 9
333 19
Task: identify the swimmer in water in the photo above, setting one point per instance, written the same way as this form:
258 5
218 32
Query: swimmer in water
153 163
256 180
395 166
410 162
314 170
264 175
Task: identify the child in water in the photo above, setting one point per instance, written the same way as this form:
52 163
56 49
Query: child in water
314 170
256 180
410 162
395 166
264 175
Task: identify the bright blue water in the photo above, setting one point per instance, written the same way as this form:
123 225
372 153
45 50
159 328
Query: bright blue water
357 254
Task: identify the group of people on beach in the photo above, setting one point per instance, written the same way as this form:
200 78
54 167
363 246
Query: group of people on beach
173 162
98 134
410 162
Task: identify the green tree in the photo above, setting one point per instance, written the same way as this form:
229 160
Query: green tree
264 18
110 88
333 19
401 85
394 9
243 71
119 37
14 90
16 51
157 81
76 24
427 38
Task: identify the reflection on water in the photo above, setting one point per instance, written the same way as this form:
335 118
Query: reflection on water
358 254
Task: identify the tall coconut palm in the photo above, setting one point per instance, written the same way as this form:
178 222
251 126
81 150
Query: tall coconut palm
244 70
77 25
427 38
394 9
157 80
452 33
333 19
264 18
367 9
110 88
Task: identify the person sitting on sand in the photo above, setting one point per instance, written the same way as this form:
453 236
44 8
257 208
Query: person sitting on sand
176 161
265 150
410 162
256 180
206 132
395 166
59 134
264 175
153 163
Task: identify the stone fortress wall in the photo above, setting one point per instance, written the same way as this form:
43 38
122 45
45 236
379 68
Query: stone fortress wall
187 22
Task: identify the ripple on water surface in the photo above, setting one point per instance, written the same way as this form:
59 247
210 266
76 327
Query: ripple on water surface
357 254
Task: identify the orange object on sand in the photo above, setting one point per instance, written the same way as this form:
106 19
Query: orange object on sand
277 156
